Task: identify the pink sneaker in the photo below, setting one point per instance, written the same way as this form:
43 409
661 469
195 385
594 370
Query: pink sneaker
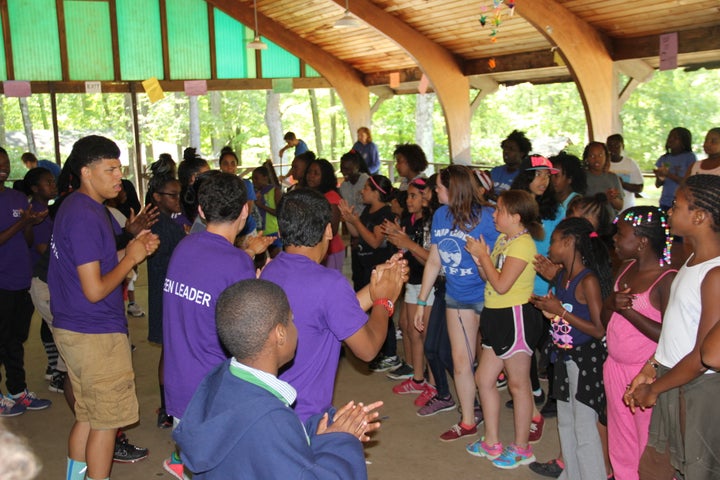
174 467
409 386
428 392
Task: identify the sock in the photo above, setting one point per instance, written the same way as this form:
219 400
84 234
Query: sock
75 469
175 458
537 392
560 463
419 382
162 396
466 427
106 478
537 419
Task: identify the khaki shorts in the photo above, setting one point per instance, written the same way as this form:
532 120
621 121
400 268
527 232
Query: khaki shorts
101 372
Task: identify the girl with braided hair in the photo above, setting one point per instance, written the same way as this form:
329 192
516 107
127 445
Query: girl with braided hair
633 315
674 380
575 313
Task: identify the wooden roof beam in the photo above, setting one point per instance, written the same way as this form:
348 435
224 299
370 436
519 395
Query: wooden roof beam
346 80
689 41
441 67
587 55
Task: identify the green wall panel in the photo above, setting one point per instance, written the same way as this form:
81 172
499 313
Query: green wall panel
89 40
278 63
311 72
188 39
231 53
35 42
140 39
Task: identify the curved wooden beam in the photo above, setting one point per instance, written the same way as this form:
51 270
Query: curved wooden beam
587 56
347 81
448 81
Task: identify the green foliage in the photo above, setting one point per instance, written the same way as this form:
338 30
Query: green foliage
671 99
551 115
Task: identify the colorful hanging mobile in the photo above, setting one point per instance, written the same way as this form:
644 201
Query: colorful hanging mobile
497 16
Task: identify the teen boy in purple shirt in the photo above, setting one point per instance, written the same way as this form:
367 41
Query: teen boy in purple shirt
16 308
85 281
326 309
201 267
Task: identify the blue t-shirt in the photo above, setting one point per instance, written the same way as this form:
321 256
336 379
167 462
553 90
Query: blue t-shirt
542 286
369 153
502 178
301 147
679 165
464 283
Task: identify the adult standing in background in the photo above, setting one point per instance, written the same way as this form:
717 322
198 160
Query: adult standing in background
625 168
293 142
31 161
515 147
367 150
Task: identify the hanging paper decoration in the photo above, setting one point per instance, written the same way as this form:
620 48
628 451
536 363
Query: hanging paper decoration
497 16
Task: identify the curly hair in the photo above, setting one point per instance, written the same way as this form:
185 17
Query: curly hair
518 138
416 159
573 169
328 179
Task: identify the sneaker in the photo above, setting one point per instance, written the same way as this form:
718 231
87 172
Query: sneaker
31 401
513 456
456 432
383 364
126 452
134 310
481 449
174 466
409 386
552 469
536 430
163 419
501 382
539 400
402 372
57 384
49 373
428 393
436 405
10 408
549 410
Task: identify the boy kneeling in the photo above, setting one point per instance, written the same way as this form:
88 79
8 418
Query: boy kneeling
239 423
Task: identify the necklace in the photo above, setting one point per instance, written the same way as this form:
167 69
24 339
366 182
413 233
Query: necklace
520 233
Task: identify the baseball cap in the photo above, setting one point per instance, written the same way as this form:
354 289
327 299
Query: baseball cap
538 162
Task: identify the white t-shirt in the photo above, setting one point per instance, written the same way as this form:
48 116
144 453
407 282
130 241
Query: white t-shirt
682 315
629 172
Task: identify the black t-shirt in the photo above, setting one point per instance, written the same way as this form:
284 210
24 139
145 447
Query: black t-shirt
419 232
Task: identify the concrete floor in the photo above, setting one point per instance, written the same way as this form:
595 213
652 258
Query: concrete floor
406 447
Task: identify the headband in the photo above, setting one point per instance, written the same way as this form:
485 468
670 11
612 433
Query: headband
377 186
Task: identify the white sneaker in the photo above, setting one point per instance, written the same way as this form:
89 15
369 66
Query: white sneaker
134 310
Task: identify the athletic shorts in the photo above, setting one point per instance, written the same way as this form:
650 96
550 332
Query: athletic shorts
511 330
100 369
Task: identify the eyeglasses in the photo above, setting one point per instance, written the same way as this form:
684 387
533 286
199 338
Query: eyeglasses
169 194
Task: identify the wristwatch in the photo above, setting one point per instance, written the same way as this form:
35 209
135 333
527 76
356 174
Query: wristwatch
387 304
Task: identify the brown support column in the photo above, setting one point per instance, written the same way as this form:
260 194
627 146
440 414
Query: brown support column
586 54
56 130
139 183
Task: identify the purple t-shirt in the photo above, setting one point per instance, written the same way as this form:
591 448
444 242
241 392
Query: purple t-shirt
326 312
41 232
201 267
83 233
15 265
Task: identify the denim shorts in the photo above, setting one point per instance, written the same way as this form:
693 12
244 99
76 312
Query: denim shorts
454 304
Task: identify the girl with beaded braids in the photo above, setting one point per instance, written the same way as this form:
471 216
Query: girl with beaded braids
633 315
575 314
674 380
